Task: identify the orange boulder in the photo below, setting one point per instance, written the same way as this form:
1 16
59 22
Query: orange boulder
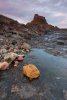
31 71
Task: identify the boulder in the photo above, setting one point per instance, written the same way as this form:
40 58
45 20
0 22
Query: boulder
4 65
4 51
20 58
60 42
10 57
26 46
16 63
31 71
27 50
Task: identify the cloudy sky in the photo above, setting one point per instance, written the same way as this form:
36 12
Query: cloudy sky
55 11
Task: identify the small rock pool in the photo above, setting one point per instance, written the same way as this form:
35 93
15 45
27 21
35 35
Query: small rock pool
51 85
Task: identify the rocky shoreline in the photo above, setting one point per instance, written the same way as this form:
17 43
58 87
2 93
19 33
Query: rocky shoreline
53 42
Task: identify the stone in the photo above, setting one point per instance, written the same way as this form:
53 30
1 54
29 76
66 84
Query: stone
65 94
27 50
4 51
31 71
9 57
20 58
15 50
60 42
23 52
14 42
26 46
16 63
4 65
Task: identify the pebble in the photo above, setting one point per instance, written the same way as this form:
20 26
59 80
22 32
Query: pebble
16 63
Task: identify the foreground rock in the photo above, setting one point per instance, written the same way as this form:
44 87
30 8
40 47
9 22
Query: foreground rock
31 71
26 46
4 65
20 58
10 57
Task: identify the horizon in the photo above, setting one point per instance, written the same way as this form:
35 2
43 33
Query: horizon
55 12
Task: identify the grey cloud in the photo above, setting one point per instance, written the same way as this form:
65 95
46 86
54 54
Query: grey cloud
55 11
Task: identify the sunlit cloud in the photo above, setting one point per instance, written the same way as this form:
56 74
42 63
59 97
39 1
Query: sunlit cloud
58 14
64 22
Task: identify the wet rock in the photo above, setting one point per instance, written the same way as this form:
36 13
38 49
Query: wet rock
4 51
10 57
27 50
20 58
14 89
23 53
15 50
27 36
16 63
14 42
31 71
26 46
60 42
4 65
24 91
65 94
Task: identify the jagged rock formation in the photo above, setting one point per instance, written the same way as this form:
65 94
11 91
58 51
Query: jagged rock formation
37 26
38 20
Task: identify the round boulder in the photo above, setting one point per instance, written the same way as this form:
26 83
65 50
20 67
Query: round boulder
26 46
31 71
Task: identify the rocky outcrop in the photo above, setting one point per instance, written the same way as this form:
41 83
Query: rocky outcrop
39 25
38 20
